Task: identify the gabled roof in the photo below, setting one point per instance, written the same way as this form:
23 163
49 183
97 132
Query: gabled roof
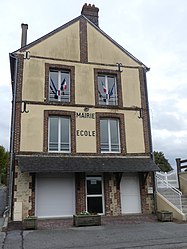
72 22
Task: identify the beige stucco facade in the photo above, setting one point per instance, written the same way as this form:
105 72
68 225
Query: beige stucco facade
84 144
52 51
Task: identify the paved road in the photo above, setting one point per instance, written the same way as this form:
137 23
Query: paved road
124 236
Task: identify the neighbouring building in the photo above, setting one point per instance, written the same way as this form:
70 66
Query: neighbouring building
80 136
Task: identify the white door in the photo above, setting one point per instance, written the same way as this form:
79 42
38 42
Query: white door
55 195
130 194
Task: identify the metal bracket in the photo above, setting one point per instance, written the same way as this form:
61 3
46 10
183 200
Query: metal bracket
140 113
27 55
119 65
24 107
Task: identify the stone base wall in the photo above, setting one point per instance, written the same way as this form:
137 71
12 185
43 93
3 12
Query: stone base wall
112 195
22 193
147 199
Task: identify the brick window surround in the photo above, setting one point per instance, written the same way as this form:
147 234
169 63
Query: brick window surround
58 113
120 117
71 70
97 72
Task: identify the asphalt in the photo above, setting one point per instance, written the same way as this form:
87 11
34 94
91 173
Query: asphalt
158 235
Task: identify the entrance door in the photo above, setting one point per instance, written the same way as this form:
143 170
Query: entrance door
94 190
55 195
130 194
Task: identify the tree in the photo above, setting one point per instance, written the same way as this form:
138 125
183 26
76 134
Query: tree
4 155
161 161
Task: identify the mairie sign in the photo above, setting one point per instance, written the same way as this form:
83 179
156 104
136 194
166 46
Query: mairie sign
85 115
85 133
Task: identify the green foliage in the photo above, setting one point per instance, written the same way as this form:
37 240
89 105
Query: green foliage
4 157
162 162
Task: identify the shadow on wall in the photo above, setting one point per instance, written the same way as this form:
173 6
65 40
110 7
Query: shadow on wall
3 190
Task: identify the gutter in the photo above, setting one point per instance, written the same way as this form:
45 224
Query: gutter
14 70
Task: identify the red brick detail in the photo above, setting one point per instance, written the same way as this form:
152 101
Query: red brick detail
145 107
80 192
83 40
18 104
31 212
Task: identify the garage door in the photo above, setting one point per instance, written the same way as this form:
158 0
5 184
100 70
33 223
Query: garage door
130 194
55 195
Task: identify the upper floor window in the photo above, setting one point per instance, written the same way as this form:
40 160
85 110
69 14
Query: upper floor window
107 90
59 134
59 85
109 135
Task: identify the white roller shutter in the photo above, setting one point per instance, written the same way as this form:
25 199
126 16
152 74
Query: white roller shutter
55 195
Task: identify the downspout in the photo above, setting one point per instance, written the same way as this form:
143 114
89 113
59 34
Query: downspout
12 56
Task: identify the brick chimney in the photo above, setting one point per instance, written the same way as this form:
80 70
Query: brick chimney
24 34
91 12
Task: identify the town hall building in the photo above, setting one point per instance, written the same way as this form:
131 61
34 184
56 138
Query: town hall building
81 136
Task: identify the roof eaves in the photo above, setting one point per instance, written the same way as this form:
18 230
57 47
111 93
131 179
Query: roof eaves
47 35
117 44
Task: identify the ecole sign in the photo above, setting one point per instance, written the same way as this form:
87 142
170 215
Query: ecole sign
85 133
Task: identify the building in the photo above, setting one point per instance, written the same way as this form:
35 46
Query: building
80 136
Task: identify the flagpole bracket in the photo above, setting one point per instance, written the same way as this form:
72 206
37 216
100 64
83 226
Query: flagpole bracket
140 113
24 109
119 65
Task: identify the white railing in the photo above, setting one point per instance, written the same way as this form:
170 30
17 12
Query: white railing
171 193
169 177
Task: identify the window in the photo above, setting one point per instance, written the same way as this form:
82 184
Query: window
107 90
59 85
94 192
59 134
109 135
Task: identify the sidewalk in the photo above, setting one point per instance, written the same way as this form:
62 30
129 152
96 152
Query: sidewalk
1 222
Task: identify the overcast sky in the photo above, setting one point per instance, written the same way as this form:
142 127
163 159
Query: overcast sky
154 31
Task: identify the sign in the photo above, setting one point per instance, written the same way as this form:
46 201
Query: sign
150 190
85 115
85 133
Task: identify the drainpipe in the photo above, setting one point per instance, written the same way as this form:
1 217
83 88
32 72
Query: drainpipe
14 88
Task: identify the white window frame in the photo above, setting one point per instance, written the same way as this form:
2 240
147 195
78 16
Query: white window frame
60 118
60 97
98 195
109 136
107 89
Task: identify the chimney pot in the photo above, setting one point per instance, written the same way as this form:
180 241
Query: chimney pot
24 28
91 12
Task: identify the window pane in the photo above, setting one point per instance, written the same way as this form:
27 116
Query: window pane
107 90
65 143
101 90
114 135
53 134
112 90
95 205
104 135
65 86
53 85
94 185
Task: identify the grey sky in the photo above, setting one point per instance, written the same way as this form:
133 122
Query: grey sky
153 31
